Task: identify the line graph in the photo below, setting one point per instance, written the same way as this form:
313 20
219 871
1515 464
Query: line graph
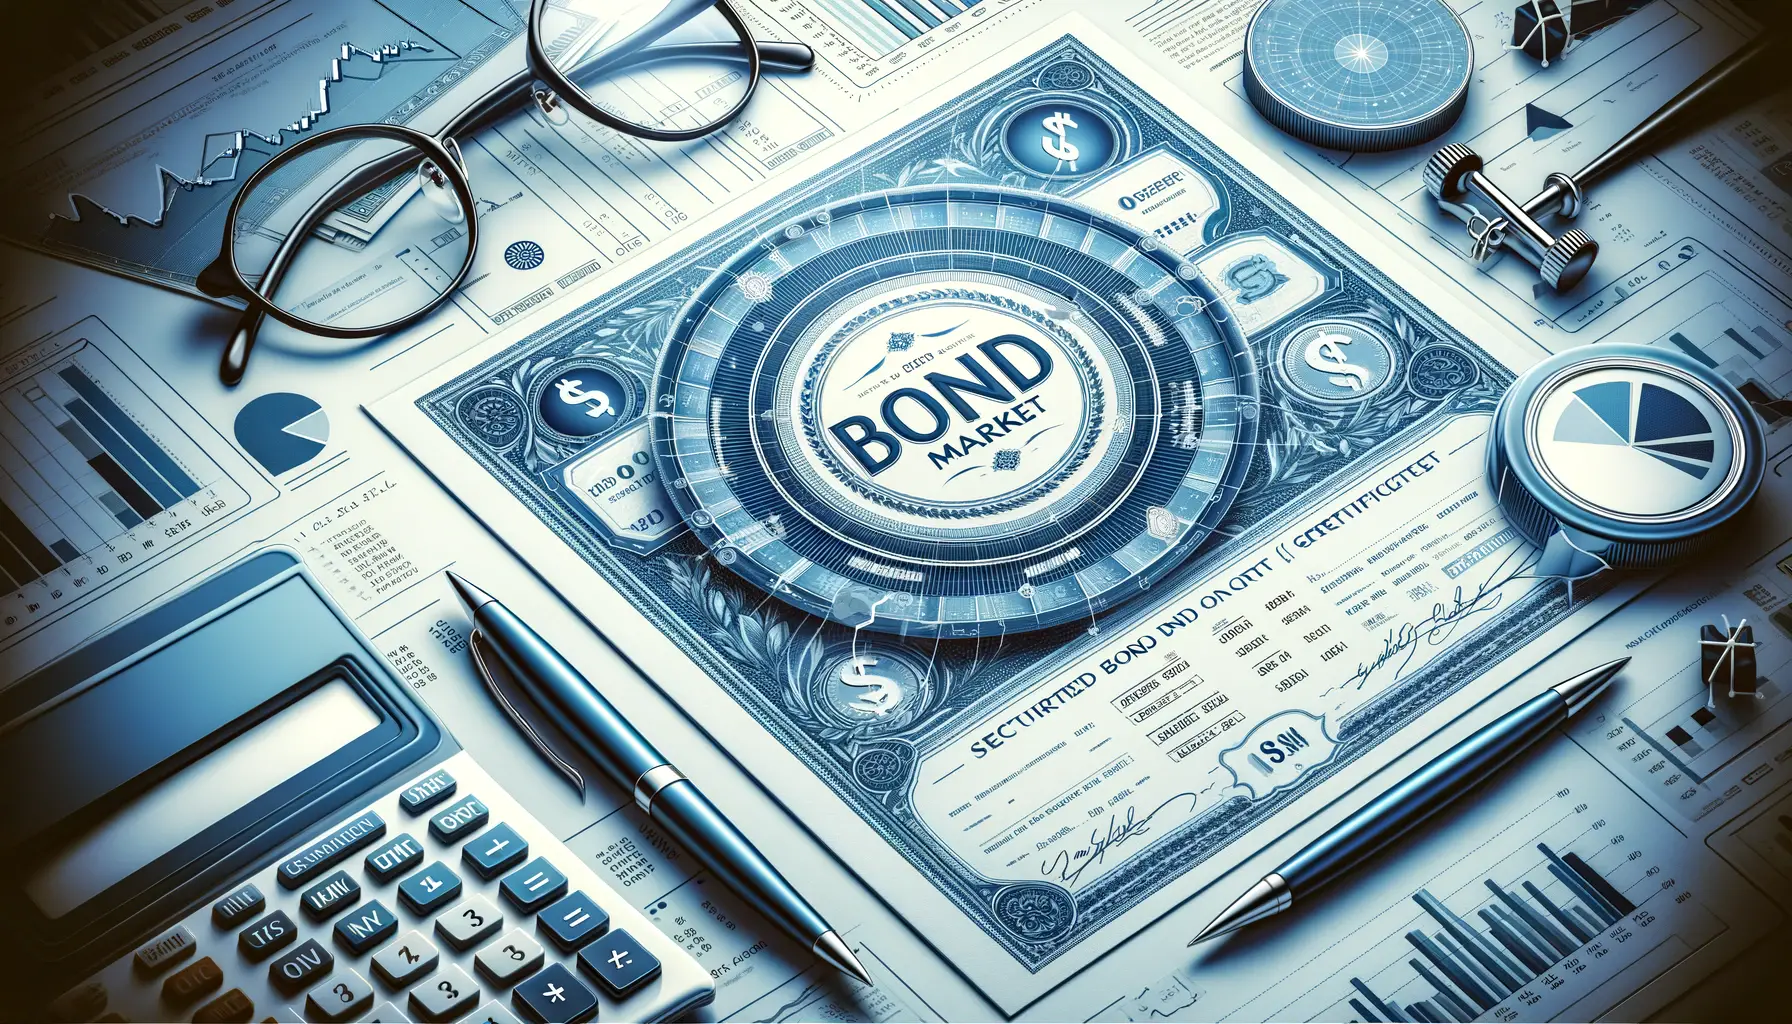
171 183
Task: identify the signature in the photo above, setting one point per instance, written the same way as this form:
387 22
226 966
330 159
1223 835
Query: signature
1400 646
1069 865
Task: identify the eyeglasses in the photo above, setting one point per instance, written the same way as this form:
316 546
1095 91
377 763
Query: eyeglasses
363 230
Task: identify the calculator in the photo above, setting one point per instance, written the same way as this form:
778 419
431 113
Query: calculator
276 829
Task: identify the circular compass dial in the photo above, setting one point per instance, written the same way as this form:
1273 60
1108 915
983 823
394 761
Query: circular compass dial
954 411
1358 74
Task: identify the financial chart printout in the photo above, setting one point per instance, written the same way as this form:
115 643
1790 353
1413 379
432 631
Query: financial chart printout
103 470
1054 569
129 160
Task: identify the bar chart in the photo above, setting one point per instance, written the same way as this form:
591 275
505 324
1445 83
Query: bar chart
1741 332
96 479
1555 894
867 38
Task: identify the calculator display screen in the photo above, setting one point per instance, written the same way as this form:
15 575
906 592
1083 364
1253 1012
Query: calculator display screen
187 802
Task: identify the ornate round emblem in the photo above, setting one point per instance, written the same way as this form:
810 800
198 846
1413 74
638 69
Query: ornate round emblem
883 768
1066 76
493 414
1439 371
1035 911
585 397
873 688
524 255
979 411
1060 137
1336 362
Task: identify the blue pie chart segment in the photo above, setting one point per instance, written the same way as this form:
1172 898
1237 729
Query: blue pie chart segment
282 431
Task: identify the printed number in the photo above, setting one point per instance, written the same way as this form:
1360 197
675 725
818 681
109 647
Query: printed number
344 993
515 953
409 957
448 989
473 916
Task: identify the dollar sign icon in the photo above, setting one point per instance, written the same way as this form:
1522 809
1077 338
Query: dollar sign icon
1326 354
884 693
572 392
1057 145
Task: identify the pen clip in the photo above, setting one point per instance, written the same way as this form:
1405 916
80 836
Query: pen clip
483 659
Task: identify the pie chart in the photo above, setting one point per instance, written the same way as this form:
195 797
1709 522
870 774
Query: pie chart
1636 443
282 431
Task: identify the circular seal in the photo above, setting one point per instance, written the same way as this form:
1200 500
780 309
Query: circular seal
1066 76
1336 362
1060 137
873 688
1035 911
976 411
493 413
582 397
524 255
1438 371
883 768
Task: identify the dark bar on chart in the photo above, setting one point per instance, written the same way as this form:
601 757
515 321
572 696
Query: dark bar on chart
127 428
921 11
64 550
1572 879
1758 331
126 456
897 21
1591 919
117 479
1684 344
1481 973
1516 946
1464 978
1520 927
41 558
120 511
1568 921
1477 947
952 7
1416 1011
1539 924
1363 1011
1445 994
1736 336
1388 1013
1605 889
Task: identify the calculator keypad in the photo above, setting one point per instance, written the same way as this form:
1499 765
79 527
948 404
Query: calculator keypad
443 900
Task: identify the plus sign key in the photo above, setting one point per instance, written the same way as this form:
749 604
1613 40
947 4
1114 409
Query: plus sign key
555 997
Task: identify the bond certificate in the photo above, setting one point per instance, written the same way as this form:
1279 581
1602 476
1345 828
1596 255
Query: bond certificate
1047 499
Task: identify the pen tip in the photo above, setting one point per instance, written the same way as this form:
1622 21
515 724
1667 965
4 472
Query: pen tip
834 950
471 597
1270 896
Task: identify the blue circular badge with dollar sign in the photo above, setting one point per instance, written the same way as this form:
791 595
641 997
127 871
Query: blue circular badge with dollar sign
1337 362
582 398
1060 138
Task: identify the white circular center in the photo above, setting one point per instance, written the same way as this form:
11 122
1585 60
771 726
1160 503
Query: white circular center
1633 443
1360 53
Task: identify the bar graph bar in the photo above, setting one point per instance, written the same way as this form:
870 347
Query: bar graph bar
1753 356
1469 969
879 28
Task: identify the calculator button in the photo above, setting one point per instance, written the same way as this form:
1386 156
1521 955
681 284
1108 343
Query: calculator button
312 861
619 963
555 997
458 820
198 978
233 1007
237 905
342 995
406 960
301 968
386 1013
164 951
366 927
332 893
493 1013
534 885
428 791
470 922
430 888
83 1002
510 959
266 937
445 996
497 851
394 858
572 922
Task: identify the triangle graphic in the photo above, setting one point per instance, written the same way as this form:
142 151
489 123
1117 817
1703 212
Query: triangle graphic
1696 471
315 426
1611 401
1579 423
1540 124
